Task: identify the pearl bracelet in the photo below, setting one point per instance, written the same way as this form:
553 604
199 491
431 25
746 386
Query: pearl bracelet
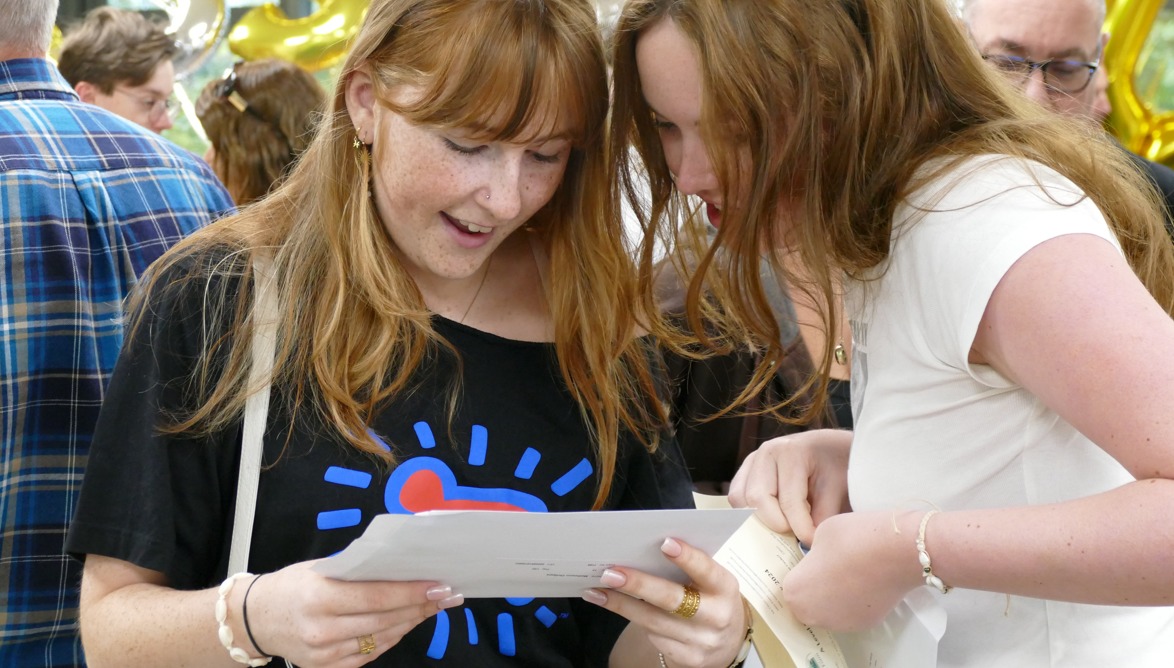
923 556
225 633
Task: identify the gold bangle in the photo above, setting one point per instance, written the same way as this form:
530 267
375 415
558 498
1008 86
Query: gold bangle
748 640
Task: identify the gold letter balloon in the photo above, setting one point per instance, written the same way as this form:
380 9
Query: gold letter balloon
1136 73
315 42
199 26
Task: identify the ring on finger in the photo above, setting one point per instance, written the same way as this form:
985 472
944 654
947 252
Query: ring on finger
366 644
689 604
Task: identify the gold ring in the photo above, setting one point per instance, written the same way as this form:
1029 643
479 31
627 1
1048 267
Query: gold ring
689 604
366 644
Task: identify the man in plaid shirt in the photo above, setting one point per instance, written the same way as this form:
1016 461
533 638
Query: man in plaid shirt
87 201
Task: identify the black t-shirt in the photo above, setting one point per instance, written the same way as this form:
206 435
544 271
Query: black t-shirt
517 440
1163 178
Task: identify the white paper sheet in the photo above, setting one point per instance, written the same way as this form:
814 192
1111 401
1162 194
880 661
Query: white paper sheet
497 554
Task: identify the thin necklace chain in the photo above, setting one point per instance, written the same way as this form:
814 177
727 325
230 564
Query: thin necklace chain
488 264
840 353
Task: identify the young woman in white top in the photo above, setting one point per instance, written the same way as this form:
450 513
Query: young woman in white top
1008 291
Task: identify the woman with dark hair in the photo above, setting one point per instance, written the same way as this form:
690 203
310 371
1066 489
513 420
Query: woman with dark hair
259 117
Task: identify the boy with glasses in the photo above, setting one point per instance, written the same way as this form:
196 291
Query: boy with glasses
121 61
1052 48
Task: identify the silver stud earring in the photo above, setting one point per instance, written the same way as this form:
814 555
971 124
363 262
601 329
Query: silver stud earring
486 197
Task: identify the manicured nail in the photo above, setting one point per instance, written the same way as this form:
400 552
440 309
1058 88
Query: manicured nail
612 578
439 593
671 547
594 596
452 601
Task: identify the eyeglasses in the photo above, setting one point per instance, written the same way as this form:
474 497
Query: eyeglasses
1065 76
155 107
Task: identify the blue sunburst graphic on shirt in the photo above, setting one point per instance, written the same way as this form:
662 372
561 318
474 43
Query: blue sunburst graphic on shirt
426 483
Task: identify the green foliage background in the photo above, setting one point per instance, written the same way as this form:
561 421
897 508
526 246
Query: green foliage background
1155 76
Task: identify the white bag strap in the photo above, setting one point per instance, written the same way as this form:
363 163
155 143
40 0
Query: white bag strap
256 410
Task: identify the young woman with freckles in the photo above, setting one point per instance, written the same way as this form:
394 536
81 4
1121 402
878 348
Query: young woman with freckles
455 329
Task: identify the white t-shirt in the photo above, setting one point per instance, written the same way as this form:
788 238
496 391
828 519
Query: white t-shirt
933 429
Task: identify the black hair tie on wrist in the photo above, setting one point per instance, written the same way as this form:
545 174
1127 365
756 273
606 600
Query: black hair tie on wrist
245 616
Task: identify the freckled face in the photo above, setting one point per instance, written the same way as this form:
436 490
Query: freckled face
447 200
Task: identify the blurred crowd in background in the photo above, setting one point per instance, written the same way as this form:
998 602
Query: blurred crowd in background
313 36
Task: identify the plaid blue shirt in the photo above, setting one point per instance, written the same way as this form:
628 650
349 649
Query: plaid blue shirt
87 201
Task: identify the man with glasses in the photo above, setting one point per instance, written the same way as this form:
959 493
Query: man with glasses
87 201
1052 48
121 61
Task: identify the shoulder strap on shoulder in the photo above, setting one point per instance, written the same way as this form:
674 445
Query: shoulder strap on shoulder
256 410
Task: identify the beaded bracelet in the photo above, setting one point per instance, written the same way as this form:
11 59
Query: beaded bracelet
225 633
923 556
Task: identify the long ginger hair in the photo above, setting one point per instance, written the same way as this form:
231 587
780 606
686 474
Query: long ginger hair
820 117
353 327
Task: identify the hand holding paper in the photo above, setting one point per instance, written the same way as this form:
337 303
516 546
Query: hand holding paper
491 554
700 625
797 481
761 559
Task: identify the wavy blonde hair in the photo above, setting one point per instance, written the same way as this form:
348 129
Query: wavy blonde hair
353 328
839 105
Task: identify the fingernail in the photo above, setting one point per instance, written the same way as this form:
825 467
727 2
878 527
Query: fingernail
671 547
612 578
452 601
439 593
594 596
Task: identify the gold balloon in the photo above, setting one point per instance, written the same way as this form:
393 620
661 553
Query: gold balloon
199 26
315 42
55 44
1137 124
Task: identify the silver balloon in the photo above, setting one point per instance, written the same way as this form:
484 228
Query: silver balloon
199 26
